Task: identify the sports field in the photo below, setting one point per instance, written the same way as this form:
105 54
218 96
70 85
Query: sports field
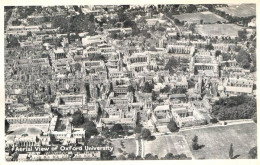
242 10
129 146
217 141
164 144
219 30
207 17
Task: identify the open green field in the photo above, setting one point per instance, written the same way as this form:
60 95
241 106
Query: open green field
217 141
207 17
26 130
242 10
129 146
218 30
164 144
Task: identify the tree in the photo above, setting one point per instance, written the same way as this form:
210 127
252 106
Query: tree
242 34
91 18
131 88
15 156
191 9
7 125
131 156
150 157
90 129
96 142
170 156
129 23
138 128
12 41
226 56
218 52
77 118
106 155
195 145
117 128
179 90
243 58
148 87
146 134
121 157
253 153
235 107
255 117
209 47
154 96
196 71
172 126
62 22
166 89
231 151
172 63
78 66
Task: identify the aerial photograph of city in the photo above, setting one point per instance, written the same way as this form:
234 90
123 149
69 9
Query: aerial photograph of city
130 82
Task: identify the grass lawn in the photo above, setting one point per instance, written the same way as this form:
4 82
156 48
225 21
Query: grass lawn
167 144
207 17
129 144
217 141
26 130
242 10
218 30
33 131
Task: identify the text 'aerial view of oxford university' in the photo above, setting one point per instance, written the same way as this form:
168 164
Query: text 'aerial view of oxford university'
130 82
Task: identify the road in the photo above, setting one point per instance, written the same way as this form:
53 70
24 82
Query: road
173 23
229 122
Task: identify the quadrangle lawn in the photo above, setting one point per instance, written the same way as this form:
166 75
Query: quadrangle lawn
218 30
162 145
217 141
129 144
207 17
241 10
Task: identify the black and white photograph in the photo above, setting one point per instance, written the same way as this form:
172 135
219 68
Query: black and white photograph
130 82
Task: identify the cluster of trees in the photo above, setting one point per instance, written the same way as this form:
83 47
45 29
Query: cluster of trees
148 87
130 156
16 23
179 90
99 142
236 107
96 57
171 65
209 47
143 132
12 41
116 131
172 126
24 12
78 120
78 23
230 18
167 89
149 156
243 58
146 134
8 12
168 156
226 56
242 35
